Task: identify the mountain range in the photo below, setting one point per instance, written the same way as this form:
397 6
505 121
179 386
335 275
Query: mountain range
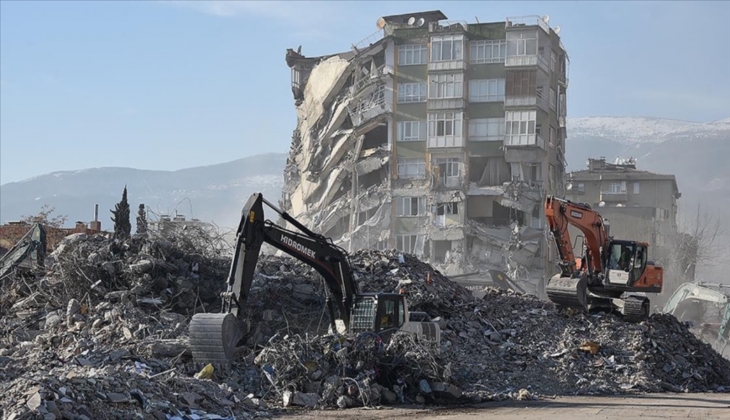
698 154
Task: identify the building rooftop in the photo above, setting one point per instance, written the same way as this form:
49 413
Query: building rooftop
429 16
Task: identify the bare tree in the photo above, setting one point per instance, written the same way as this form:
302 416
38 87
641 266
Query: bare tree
44 218
699 235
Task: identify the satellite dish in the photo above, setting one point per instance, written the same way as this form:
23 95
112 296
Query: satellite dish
602 204
380 23
557 30
546 18
411 20
569 187
421 21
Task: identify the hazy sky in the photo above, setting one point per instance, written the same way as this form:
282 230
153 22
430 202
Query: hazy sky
168 85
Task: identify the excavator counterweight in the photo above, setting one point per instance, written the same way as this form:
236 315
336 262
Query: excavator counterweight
215 337
610 274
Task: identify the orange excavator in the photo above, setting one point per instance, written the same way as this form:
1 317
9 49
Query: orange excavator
609 273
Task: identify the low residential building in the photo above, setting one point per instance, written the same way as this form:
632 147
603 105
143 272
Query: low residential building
436 138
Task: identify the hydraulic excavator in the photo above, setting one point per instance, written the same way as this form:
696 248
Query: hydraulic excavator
611 274
215 336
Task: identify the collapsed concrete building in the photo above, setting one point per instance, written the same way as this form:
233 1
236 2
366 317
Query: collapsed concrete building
435 138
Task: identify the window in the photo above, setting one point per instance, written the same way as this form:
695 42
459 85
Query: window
411 92
447 209
521 83
446 86
521 43
449 167
535 219
409 244
411 168
553 99
444 124
412 130
447 48
412 54
520 127
616 187
553 61
410 206
636 188
552 137
581 187
295 78
535 172
487 51
486 90
486 129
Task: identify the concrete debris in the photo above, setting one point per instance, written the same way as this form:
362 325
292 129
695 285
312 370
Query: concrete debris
81 342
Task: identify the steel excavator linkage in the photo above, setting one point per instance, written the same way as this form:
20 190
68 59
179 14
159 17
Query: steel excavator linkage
609 274
214 337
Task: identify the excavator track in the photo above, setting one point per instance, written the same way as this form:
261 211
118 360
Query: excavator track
568 292
636 308
213 338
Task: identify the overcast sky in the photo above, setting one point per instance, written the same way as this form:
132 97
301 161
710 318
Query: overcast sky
169 85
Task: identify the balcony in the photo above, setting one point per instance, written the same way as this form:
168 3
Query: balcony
528 60
526 101
524 140
379 102
613 197
436 142
449 65
450 182
446 103
380 74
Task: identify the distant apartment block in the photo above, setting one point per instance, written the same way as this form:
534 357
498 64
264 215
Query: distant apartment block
436 138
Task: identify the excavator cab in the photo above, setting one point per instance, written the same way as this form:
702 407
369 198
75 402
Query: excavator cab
382 313
627 262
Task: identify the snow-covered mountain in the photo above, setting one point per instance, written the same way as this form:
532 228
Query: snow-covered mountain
627 130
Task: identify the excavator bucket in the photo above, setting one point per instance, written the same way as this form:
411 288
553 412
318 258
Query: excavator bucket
568 292
213 338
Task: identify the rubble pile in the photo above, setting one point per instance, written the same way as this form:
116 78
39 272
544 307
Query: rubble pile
103 334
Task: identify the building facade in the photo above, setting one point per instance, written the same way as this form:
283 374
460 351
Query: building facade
435 138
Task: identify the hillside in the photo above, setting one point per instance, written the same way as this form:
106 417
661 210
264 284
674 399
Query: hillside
215 192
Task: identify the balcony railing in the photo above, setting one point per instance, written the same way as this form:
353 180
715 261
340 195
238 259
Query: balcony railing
526 101
522 21
446 103
435 142
524 140
447 65
375 77
528 61
379 102
450 182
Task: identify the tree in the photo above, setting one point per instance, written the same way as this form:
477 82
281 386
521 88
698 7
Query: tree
120 217
141 220
44 218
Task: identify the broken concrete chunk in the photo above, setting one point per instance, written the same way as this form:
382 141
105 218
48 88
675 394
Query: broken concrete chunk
301 399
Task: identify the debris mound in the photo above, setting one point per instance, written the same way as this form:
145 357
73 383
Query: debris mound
102 333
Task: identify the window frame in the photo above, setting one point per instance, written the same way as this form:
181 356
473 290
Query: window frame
454 53
412 50
453 120
403 92
441 83
403 202
494 90
421 128
409 163
488 125
482 46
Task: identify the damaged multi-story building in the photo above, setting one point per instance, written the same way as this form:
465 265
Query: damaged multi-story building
435 138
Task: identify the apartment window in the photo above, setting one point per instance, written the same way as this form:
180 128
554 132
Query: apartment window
521 43
521 83
636 188
535 172
410 244
446 86
492 51
412 130
553 61
553 99
449 167
552 137
520 126
447 48
411 92
410 206
444 124
581 187
411 168
412 54
295 78
617 187
486 129
486 90
447 209
535 219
